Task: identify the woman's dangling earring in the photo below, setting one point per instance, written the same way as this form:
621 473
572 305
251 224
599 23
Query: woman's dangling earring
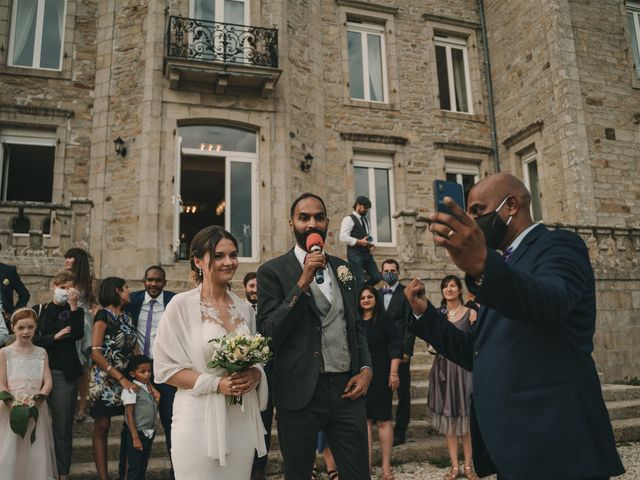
199 272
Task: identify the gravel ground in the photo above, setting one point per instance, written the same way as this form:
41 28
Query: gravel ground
630 454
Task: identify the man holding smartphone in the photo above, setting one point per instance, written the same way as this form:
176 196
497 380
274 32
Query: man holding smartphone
355 231
537 407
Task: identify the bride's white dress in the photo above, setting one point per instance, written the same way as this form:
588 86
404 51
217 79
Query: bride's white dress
207 443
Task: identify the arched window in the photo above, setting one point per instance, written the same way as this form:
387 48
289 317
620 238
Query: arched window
216 184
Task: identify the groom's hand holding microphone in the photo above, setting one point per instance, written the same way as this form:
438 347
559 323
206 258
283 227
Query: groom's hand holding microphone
314 263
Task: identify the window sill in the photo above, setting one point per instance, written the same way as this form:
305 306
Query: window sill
370 105
470 117
35 72
635 82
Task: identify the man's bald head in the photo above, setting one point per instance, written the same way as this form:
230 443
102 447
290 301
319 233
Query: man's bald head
497 187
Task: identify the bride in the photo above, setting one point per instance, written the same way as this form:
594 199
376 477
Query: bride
211 439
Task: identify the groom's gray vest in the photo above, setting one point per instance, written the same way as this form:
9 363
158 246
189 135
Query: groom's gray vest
335 346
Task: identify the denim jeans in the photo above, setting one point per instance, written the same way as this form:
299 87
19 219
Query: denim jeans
362 261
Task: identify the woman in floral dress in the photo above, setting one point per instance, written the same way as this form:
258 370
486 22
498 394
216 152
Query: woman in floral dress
114 342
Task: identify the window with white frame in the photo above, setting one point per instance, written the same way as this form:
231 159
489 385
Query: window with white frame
26 164
367 62
452 64
633 15
37 34
531 179
465 173
215 183
373 178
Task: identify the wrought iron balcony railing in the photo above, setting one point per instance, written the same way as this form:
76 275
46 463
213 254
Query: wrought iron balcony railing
206 41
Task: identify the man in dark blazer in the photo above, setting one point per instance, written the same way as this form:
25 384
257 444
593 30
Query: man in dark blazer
10 282
395 303
322 366
537 407
146 308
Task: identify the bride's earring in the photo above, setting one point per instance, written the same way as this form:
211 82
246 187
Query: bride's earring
199 272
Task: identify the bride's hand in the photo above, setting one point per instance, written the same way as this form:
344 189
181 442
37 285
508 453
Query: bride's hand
225 387
244 382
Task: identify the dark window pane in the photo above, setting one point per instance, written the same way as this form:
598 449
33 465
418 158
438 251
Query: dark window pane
25 32
52 34
241 208
534 187
383 205
361 181
356 76
30 172
216 138
443 78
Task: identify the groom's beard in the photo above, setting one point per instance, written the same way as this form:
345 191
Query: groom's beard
301 237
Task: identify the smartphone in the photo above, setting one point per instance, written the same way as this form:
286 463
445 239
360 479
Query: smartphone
441 189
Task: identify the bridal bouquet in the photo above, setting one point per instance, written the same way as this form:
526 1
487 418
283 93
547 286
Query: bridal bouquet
23 408
236 352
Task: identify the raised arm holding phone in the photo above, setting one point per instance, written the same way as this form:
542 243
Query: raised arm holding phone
537 408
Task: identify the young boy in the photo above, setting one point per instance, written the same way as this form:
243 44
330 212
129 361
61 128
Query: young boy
140 418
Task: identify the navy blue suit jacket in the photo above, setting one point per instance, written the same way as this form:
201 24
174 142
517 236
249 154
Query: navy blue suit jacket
538 411
10 282
135 303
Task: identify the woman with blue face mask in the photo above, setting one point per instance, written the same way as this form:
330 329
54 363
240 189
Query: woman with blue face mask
60 324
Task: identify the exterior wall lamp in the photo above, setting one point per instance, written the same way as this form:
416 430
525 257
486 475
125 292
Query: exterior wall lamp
121 150
305 163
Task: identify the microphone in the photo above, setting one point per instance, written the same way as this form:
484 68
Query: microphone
314 245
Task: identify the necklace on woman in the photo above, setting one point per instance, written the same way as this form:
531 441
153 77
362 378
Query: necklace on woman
452 313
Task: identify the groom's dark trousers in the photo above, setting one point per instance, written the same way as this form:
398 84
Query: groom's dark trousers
339 419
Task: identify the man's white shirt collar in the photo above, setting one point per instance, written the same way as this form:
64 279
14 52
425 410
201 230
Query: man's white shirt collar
518 240
159 299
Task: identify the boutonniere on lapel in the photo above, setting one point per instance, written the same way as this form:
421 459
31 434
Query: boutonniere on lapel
345 277
5 282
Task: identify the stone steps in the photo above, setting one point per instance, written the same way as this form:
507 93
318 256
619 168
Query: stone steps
424 444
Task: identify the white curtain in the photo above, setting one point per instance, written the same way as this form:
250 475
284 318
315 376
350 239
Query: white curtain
459 80
374 51
25 18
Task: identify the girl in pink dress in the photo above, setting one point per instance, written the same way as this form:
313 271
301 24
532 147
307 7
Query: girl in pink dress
24 372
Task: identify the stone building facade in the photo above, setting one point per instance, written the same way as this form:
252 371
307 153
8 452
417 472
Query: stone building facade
218 115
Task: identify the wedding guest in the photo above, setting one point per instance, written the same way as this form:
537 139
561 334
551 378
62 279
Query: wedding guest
24 371
140 412
322 367
76 261
114 342
4 332
250 284
60 325
537 407
397 307
385 347
355 232
11 282
146 309
212 439
449 394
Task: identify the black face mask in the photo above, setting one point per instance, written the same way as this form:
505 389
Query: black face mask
301 237
493 227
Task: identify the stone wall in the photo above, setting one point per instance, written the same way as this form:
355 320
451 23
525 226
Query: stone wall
610 100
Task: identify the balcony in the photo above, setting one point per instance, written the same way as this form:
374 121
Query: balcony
221 58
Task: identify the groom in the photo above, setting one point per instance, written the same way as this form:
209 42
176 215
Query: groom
322 366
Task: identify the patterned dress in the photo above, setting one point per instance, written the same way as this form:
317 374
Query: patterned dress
120 340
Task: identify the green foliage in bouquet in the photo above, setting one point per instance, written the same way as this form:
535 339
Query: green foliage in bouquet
24 407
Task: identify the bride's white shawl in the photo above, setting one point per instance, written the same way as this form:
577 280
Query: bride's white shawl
179 345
